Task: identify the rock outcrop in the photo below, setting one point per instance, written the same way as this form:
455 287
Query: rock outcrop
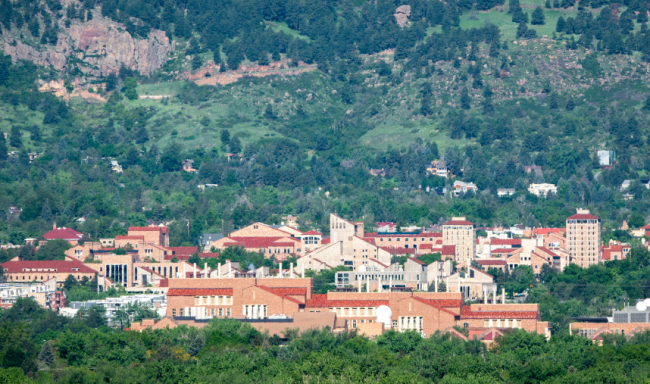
210 75
98 47
402 14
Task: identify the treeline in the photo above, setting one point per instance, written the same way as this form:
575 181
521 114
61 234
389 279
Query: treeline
37 345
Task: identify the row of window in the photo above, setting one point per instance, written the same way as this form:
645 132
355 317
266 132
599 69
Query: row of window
353 312
255 311
502 323
208 312
212 300
405 238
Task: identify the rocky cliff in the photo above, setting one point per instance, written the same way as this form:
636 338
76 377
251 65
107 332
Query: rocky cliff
97 47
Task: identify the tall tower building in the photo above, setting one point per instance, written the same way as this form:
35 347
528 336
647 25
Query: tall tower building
462 234
583 238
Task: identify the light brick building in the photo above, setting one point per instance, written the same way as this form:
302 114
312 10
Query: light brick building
152 235
583 238
461 233
44 270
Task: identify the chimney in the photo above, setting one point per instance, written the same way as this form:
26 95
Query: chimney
54 226
359 229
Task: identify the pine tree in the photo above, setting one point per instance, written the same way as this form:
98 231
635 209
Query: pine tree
547 4
225 136
197 62
465 100
538 17
46 213
196 346
561 24
15 139
4 152
553 102
34 28
570 105
646 107
46 357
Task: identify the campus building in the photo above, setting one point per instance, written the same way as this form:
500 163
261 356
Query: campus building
462 234
583 238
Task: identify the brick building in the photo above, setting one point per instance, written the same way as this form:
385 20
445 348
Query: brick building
67 234
461 233
274 304
43 270
614 251
152 235
583 238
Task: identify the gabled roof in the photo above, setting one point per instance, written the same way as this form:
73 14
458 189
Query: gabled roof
63 234
505 250
54 266
583 216
262 242
278 293
183 250
547 251
199 291
313 233
293 291
505 242
129 238
433 303
467 313
149 229
152 271
491 262
546 231
416 261
320 301
458 222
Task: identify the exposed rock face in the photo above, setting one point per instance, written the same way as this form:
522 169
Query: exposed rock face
99 44
402 14
210 75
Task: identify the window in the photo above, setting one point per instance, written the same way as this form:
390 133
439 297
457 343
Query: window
466 325
220 311
395 324
181 312
354 323
212 311
174 312
228 312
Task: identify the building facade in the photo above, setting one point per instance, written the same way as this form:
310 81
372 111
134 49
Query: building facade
462 234
583 238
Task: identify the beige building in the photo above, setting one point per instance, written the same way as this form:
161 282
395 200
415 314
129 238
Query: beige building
462 234
347 247
474 284
542 189
583 238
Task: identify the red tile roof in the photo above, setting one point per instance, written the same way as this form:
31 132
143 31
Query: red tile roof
417 261
312 232
504 250
391 234
466 313
262 242
54 266
164 283
208 255
433 303
547 251
491 262
320 301
447 303
607 254
199 291
129 237
445 250
149 229
425 246
63 234
183 250
582 216
458 222
505 242
293 291
546 231
325 241
399 251
278 292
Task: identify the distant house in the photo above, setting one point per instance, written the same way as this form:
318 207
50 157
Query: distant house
606 158
542 189
438 168
461 186
383 226
67 234
233 155
378 172
628 196
533 168
32 156
208 238
501 192
116 167
188 165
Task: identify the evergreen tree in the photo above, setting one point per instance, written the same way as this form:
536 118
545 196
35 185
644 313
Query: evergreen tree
142 136
197 62
46 213
570 105
196 346
465 100
225 136
4 152
547 4
538 17
235 145
34 28
46 357
561 24
553 101
15 139
35 133
646 106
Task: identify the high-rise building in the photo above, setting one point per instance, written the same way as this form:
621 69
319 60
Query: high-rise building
583 238
462 234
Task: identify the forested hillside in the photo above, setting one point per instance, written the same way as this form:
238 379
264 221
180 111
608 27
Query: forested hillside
487 87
